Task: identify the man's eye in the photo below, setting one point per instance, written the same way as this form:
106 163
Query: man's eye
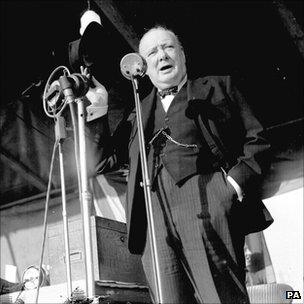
152 53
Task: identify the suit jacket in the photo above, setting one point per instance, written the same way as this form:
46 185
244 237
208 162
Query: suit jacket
233 134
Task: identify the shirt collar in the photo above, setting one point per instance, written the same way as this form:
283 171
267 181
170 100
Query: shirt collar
180 85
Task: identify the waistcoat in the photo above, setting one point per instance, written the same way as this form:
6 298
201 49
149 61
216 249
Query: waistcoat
181 161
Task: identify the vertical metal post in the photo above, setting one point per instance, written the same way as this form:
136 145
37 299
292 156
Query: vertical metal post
86 199
67 86
65 224
147 192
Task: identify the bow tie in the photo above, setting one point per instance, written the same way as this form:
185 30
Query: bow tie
170 91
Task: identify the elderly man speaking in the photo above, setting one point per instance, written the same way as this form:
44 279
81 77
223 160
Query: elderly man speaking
206 155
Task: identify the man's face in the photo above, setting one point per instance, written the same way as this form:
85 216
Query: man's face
166 64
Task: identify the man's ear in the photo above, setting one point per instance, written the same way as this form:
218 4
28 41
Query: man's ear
148 71
184 56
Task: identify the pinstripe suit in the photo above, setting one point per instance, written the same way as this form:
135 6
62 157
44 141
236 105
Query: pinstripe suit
200 224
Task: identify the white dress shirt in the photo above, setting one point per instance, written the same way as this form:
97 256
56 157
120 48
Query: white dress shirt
166 101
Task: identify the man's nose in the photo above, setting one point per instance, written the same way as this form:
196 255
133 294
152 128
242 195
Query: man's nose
162 54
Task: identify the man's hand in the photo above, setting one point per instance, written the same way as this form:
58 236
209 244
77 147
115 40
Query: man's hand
98 97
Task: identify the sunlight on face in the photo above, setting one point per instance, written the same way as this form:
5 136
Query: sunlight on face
166 63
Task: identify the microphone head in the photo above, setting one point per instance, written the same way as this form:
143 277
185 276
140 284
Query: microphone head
80 84
133 65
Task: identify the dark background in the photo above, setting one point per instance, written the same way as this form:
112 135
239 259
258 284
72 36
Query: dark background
246 39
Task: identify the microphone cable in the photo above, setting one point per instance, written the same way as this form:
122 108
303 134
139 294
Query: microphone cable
46 208
18 300
46 107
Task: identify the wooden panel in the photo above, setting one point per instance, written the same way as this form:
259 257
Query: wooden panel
111 258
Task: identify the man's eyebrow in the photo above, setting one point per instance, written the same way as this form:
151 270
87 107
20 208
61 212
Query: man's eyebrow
151 49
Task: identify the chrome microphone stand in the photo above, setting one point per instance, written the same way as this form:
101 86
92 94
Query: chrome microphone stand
133 65
86 196
86 201
60 135
59 89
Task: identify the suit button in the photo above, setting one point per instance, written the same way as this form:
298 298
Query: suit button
166 119
224 262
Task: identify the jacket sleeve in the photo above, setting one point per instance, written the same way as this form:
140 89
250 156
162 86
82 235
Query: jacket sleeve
105 151
252 158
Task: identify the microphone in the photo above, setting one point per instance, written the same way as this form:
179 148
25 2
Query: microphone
72 86
133 65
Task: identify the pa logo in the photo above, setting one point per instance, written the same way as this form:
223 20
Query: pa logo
293 294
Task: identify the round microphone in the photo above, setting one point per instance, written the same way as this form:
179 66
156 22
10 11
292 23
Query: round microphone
80 84
74 85
133 65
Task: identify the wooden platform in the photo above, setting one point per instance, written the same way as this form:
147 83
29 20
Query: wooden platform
110 291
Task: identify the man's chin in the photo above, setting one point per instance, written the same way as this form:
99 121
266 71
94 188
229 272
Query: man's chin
167 74
167 82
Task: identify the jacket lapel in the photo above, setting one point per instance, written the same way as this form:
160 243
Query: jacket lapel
201 91
198 89
146 108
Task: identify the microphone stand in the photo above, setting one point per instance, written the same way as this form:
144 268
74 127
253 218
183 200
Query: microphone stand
86 201
50 99
86 196
147 192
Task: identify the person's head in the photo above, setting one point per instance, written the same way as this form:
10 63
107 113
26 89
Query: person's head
248 254
166 62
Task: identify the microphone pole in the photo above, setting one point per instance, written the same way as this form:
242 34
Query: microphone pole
133 65
86 196
60 135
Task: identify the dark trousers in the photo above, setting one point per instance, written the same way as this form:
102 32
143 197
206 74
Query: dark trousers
200 250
